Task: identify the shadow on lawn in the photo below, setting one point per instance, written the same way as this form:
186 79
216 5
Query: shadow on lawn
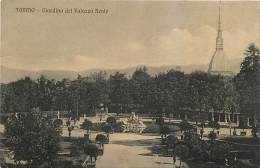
157 150
164 163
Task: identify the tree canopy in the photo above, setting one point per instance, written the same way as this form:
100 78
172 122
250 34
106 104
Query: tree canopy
247 82
32 138
171 92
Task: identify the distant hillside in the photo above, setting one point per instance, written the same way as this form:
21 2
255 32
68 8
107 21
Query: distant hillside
12 74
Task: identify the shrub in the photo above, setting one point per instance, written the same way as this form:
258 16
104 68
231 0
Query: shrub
101 138
77 146
164 130
111 120
87 124
185 126
214 125
159 121
107 129
254 131
181 151
57 124
220 151
91 150
191 139
212 135
171 141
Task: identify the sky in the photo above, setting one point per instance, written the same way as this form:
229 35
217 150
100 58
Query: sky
132 33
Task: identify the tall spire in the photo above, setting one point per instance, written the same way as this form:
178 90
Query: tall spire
219 16
219 39
219 61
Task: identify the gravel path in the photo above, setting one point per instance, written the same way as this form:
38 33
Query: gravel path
131 151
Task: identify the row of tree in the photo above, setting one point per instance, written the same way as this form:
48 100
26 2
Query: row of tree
167 92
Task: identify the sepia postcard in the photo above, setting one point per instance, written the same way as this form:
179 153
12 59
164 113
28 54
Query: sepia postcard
130 84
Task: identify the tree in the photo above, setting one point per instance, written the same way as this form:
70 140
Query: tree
217 92
185 126
45 92
87 124
138 88
7 99
243 124
107 129
201 132
247 82
199 91
111 120
57 123
101 139
63 95
172 88
254 131
90 92
19 96
164 131
231 97
159 121
193 141
171 140
212 135
91 150
119 94
250 63
220 151
70 129
182 151
77 146
32 138
100 90
214 125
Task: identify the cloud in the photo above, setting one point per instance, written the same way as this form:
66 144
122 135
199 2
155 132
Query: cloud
182 47
237 40
134 47
177 47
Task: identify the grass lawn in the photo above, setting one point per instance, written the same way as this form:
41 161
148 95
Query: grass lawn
247 147
201 164
244 140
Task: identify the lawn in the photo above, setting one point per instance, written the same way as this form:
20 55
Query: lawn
244 140
246 147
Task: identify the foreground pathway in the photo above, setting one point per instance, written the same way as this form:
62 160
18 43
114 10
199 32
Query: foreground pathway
131 151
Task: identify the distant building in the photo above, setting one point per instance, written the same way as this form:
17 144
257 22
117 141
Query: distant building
219 63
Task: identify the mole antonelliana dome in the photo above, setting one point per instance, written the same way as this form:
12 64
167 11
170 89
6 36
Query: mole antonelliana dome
219 61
